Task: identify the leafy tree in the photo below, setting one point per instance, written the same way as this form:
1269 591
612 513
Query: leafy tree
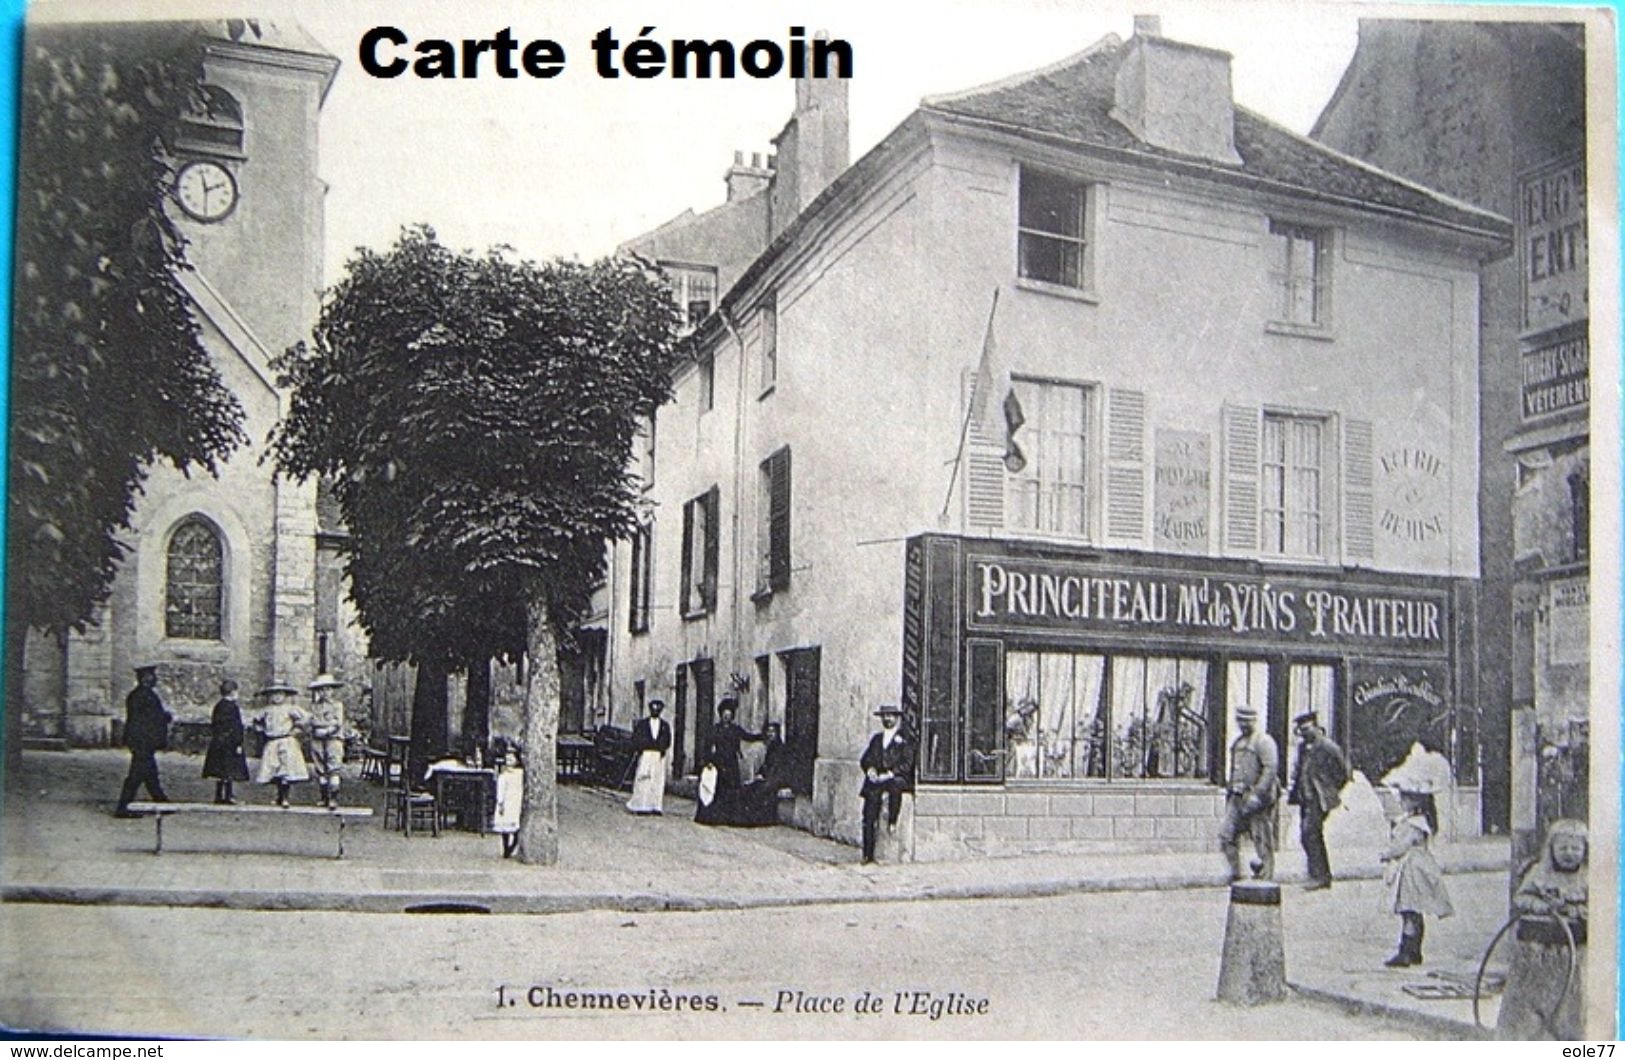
476 414
108 370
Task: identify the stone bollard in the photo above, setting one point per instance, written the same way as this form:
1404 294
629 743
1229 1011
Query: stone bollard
1253 969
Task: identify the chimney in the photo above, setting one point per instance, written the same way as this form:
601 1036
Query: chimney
746 180
1176 96
813 148
1147 25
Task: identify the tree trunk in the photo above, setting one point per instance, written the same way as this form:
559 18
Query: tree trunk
539 818
16 639
430 733
477 703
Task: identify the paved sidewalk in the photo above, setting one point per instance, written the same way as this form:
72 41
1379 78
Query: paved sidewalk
61 844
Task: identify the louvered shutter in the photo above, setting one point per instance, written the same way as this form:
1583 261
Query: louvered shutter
1125 465
778 527
1241 427
688 557
713 507
983 468
1358 489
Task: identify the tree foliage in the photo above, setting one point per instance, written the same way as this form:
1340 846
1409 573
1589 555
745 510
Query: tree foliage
108 372
476 414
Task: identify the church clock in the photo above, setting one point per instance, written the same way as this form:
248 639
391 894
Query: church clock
206 190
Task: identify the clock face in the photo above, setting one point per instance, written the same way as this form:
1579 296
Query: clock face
206 190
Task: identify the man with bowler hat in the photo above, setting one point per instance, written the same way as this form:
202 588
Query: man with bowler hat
888 773
1316 786
1250 805
146 732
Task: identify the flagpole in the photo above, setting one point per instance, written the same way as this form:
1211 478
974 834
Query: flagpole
982 368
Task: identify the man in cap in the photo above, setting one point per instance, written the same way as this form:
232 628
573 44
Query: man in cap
888 773
146 732
1317 783
1250 805
326 736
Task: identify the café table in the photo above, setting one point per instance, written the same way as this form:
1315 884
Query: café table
467 790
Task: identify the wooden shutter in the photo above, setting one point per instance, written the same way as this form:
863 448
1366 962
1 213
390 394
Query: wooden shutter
634 621
688 554
1241 429
1125 465
1359 505
708 590
778 530
983 467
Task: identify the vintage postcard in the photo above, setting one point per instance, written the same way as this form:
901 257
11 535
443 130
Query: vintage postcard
803 520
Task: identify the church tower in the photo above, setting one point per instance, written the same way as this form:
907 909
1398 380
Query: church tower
221 576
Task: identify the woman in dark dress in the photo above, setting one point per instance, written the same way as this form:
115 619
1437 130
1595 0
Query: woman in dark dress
722 753
224 761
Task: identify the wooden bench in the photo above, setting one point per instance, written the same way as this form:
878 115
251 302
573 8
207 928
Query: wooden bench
160 810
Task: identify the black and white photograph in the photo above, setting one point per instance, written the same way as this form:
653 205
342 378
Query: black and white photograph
809 520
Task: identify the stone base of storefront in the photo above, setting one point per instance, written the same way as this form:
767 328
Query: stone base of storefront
956 822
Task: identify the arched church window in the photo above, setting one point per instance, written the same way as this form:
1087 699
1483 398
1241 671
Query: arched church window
194 584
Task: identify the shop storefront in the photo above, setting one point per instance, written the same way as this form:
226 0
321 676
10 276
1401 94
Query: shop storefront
1085 695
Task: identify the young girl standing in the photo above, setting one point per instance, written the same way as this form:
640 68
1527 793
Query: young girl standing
1415 881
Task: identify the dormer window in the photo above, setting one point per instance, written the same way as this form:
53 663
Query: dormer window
694 289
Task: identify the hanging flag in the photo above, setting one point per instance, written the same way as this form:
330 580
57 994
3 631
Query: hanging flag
1015 461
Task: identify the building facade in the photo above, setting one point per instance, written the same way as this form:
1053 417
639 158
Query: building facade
236 575
1082 409
1495 113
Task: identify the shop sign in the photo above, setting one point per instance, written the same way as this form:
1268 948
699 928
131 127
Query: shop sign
1551 233
1557 377
1047 595
1183 478
1393 707
1568 625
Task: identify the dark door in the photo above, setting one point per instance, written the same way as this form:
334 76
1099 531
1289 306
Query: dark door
679 723
704 672
801 715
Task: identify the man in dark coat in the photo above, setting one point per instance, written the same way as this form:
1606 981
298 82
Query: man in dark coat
146 732
888 774
1317 783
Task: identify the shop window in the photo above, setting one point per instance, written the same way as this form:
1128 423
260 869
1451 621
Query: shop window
1056 722
1048 484
699 594
1291 470
773 524
194 589
1052 240
642 579
1299 273
1159 721
1309 687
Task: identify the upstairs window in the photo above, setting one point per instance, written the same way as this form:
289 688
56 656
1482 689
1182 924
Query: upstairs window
700 525
1292 470
1050 469
194 588
1053 230
708 382
642 578
646 454
1299 273
773 524
769 339
215 127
